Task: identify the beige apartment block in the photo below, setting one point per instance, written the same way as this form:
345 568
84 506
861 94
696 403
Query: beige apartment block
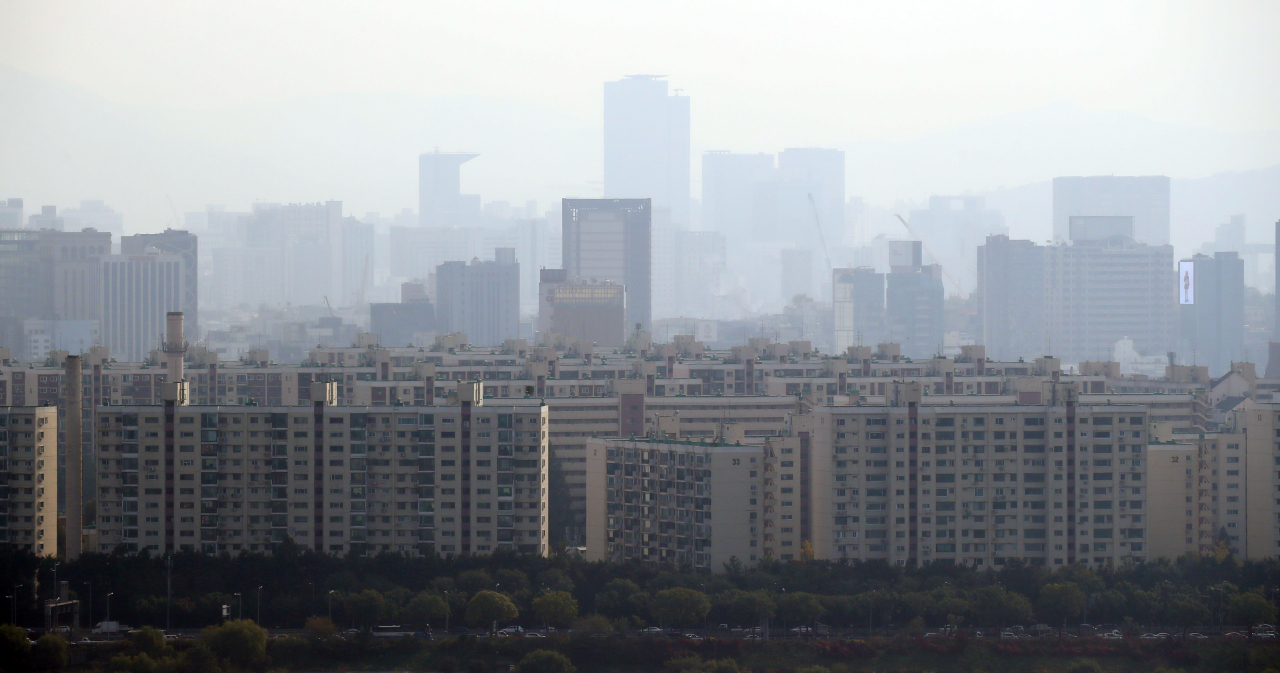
977 481
700 503
29 479
465 479
1173 507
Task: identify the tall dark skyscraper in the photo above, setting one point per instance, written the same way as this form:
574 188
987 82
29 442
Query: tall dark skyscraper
1211 310
611 239
646 145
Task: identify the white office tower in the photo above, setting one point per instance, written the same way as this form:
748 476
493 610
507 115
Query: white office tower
137 292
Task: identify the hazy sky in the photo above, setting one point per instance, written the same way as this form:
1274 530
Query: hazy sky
764 75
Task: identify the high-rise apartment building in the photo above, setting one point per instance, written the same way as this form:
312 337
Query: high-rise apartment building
1050 476
611 240
441 202
185 245
1010 297
1211 310
481 299
858 304
29 492
464 479
1144 198
703 504
646 145
137 292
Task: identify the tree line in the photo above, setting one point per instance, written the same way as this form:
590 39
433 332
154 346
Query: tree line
284 589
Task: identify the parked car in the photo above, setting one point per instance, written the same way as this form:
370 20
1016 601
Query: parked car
534 634
511 631
694 637
652 630
751 636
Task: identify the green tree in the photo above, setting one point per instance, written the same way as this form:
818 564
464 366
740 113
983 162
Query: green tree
150 641
513 581
1185 612
319 628
592 626
50 651
554 580
1059 603
488 607
240 642
679 606
199 659
995 606
800 608
746 608
1249 610
545 661
367 608
555 608
424 609
15 649
474 581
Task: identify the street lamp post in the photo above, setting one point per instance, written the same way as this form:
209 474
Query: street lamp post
331 605
871 611
109 595
448 612
259 605
90 585
239 606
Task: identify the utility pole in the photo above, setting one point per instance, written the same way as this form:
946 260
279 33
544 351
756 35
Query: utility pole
168 583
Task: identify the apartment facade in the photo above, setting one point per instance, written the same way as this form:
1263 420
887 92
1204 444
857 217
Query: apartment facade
700 504
465 479
29 479
977 482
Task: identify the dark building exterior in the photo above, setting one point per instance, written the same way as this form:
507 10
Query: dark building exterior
1212 324
396 324
1011 311
611 240
480 298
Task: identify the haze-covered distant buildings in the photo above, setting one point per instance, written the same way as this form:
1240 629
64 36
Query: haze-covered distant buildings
1144 198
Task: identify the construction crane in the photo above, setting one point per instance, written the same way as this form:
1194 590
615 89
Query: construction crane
935 257
326 303
364 281
821 238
